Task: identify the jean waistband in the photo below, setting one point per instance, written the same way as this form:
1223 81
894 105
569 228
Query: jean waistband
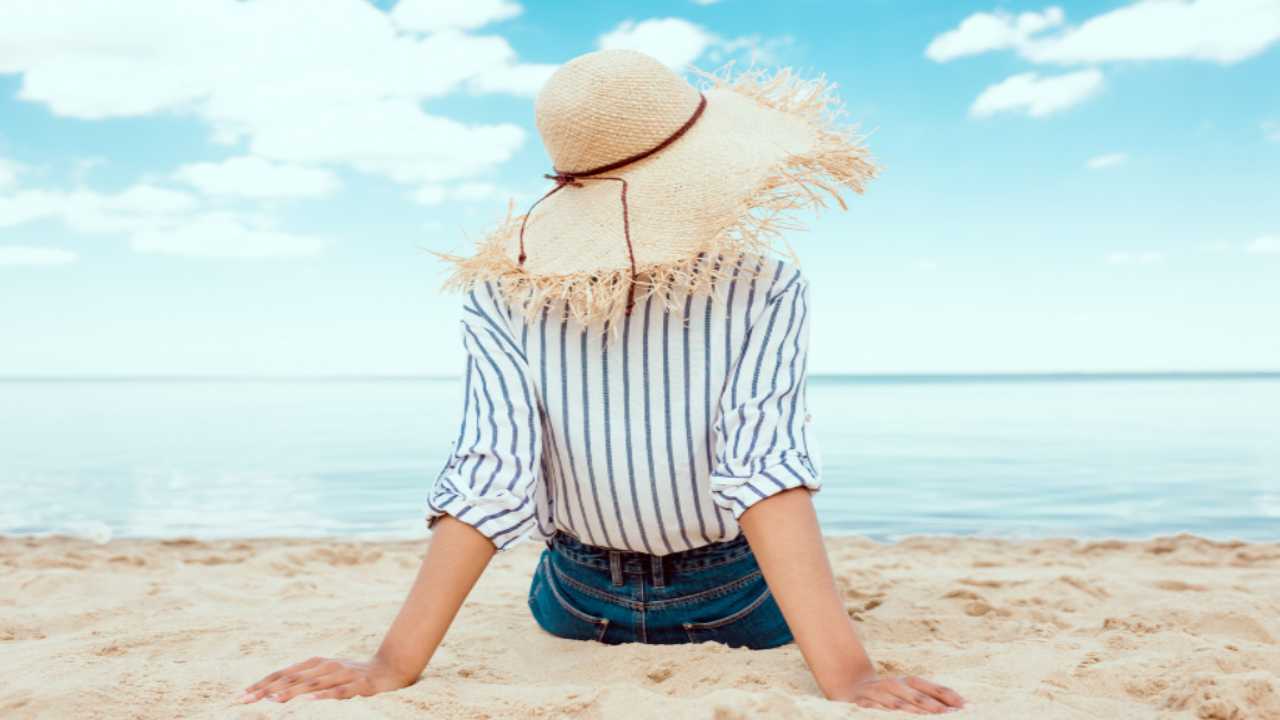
638 563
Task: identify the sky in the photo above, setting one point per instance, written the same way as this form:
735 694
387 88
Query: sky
252 187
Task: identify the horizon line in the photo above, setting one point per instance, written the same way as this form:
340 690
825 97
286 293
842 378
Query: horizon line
854 377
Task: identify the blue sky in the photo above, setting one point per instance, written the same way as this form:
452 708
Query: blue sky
251 187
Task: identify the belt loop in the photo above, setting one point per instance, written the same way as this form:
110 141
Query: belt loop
615 566
655 564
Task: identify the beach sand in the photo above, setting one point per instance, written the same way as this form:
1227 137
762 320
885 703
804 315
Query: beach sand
1168 628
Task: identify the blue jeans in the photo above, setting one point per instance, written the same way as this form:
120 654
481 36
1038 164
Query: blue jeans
715 592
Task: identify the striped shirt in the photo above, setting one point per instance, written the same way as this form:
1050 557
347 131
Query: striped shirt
651 437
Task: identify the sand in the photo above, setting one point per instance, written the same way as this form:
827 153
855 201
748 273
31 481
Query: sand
1169 628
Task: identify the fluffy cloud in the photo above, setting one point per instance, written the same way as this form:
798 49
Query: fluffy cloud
307 83
1035 95
1223 31
253 177
1135 258
432 195
473 192
520 79
156 220
82 168
1101 162
398 141
436 15
755 49
224 235
675 42
1265 245
984 32
8 173
136 208
29 255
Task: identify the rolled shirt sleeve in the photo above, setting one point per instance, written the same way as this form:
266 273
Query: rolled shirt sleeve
490 478
763 444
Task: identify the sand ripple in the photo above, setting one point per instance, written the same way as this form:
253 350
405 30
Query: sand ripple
1177 627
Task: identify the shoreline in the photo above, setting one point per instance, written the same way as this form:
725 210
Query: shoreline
189 538
1169 627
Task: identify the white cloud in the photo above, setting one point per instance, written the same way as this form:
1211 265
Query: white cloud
144 198
1035 95
136 208
223 235
1223 31
472 192
335 82
1148 257
520 79
983 32
1271 130
704 2
398 141
1100 162
1264 245
159 220
29 255
754 48
83 167
675 42
431 195
254 177
28 206
9 171
436 15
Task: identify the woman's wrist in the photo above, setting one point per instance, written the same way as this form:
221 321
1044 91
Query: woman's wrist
403 670
840 683
842 663
846 689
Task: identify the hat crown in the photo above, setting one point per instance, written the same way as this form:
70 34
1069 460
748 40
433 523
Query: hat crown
609 105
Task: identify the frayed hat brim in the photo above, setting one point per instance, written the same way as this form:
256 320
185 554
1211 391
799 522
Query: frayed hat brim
825 157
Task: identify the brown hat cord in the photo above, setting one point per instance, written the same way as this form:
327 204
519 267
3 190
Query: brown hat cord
565 178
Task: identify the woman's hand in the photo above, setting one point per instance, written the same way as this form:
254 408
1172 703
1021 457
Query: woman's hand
327 678
909 694
456 556
785 537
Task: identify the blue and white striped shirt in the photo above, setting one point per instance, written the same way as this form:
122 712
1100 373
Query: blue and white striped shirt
656 440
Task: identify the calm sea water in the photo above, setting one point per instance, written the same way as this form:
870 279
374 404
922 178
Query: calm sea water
1049 456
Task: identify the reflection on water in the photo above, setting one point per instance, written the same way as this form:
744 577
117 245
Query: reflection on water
1049 456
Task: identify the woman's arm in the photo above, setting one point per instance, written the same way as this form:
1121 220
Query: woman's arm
783 532
482 502
455 559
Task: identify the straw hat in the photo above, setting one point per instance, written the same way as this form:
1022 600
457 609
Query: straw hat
651 173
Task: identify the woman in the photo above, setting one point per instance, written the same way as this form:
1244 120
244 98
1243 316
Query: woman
635 388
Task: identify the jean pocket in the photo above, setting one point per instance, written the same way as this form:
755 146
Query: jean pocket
748 617
556 613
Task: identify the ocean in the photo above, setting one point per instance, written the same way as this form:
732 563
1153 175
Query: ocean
1093 456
